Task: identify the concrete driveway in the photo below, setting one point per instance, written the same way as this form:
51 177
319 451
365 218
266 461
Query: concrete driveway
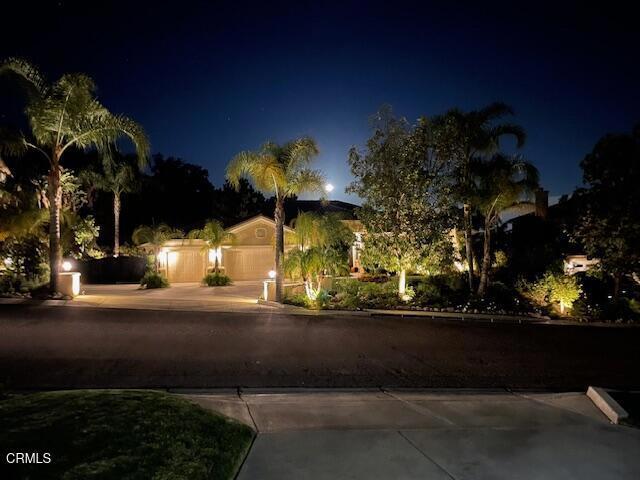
242 296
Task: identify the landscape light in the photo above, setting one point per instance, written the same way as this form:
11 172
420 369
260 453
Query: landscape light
66 266
8 261
272 274
328 188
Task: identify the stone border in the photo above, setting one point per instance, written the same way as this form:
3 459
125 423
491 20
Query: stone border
607 405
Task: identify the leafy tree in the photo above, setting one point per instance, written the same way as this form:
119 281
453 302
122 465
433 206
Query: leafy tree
406 188
609 225
281 170
323 242
117 177
233 205
497 184
85 233
64 115
155 236
468 135
215 236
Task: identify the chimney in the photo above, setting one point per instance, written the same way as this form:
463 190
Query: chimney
542 203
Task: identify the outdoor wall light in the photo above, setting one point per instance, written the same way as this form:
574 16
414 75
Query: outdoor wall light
66 266
272 274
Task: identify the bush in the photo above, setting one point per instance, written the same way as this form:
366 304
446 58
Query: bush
154 280
216 280
552 289
351 294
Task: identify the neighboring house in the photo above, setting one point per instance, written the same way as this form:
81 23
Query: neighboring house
578 263
250 257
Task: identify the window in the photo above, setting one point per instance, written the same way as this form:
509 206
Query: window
261 232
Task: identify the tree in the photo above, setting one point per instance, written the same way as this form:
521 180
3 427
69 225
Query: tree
469 135
281 170
497 184
215 236
85 232
406 188
117 177
155 236
62 116
323 242
609 224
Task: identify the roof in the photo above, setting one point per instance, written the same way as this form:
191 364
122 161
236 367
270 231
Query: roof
251 220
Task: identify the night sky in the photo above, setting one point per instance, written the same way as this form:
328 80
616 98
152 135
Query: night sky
208 79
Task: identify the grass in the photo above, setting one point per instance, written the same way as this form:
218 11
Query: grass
108 434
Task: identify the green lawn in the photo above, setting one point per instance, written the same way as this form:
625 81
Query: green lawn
111 434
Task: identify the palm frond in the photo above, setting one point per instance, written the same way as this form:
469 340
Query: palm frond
299 153
509 129
494 111
306 180
35 82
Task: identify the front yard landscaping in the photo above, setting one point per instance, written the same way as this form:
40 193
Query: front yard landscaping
551 296
110 434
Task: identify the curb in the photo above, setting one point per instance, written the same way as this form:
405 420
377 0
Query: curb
607 404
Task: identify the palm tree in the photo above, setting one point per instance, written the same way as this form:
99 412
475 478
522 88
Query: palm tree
155 236
65 115
472 134
215 236
283 171
117 178
499 183
322 242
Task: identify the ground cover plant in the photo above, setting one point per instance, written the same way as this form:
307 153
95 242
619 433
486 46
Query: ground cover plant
98 434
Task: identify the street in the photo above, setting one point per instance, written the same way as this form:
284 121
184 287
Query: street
66 347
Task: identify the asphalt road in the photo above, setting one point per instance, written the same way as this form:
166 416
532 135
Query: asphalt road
70 347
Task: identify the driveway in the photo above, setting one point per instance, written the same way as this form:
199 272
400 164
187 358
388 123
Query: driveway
242 296
69 347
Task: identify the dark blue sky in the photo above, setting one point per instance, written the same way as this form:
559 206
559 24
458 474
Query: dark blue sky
208 79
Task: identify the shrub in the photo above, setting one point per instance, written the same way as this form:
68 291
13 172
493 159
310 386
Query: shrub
552 289
352 293
216 280
154 280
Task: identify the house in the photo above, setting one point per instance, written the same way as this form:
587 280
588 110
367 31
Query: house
250 257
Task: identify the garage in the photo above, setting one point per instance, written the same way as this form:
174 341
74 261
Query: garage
250 256
249 263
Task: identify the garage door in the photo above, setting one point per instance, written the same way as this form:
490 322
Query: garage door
186 266
249 263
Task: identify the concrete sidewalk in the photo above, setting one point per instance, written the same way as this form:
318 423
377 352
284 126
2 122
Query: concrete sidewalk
429 435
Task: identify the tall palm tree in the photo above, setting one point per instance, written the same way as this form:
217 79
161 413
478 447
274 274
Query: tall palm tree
499 183
215 236
155 236
281 170
117 178
64 115
472 134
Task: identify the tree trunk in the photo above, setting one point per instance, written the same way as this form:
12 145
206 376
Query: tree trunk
402 283
116 224
215 263
468 243
616 286
486 261
279 218
55 206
